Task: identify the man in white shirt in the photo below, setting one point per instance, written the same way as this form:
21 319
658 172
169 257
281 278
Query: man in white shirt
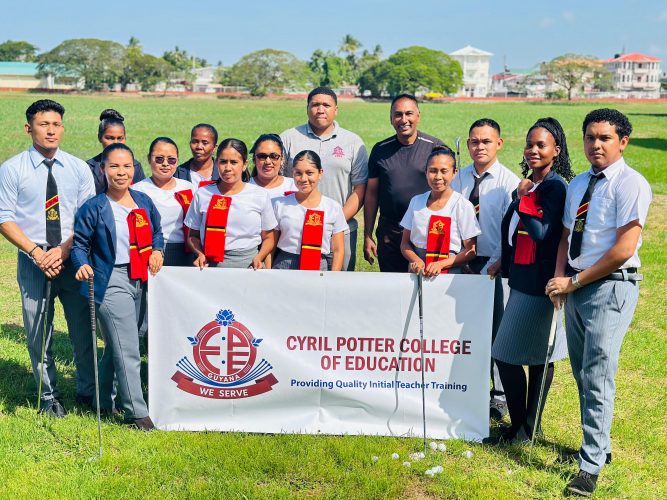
597 270
40 191
488 184
344 161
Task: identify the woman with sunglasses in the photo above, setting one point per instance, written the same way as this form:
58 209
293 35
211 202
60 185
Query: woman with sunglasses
110 131
268 155
171 196
231 221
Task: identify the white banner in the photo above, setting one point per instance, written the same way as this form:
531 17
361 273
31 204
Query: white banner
311 352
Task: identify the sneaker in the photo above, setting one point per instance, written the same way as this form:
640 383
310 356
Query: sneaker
583 484
497 409
144 424
53 408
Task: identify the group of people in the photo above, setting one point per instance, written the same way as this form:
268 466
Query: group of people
105 221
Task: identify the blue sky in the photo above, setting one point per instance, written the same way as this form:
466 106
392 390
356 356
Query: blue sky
521 33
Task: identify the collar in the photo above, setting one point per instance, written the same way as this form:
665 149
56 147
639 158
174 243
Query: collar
37 158
334 132
492 170
611 171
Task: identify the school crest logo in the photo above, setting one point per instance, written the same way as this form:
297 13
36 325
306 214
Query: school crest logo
221 204
140 221
224 362
438 227
338 152
314 220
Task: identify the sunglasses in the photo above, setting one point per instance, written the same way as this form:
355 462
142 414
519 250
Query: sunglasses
160 160
264 156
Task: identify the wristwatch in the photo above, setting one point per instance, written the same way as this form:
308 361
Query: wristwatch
575 281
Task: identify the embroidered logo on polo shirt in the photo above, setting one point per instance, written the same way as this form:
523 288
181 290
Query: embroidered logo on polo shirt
338 152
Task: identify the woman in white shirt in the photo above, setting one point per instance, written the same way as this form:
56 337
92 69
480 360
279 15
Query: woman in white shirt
310 225
268 155
231 222
438 217
171 196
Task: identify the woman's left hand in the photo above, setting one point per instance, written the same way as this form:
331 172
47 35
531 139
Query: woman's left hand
257 263
155 262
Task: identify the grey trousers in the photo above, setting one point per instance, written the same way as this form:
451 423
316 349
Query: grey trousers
596 319
32 285
349 255
121 315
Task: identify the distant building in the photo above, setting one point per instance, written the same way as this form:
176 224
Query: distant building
475 64
635 75
519 83
205 80
16 75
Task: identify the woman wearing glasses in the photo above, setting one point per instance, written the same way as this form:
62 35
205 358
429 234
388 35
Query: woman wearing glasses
171 197
268 155
110 131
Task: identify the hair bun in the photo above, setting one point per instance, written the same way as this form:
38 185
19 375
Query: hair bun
111 114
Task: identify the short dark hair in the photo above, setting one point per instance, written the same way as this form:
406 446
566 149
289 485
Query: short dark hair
485 122
109 118
114 147
444 151
310 156
613 116
323 91
157 140
239 146
404 96
42 106
207 126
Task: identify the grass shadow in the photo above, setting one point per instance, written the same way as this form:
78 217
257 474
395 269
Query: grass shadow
657 143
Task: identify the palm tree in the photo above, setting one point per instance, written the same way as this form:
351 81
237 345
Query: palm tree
349 46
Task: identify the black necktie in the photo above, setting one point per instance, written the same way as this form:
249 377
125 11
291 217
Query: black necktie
52 207
474 195
580 219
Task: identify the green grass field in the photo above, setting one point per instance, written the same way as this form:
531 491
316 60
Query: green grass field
48 458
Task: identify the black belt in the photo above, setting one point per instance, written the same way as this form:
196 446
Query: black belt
627 274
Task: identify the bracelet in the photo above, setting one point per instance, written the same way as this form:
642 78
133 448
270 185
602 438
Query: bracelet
575 281
31 251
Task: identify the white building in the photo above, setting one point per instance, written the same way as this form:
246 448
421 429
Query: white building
475 64
635 75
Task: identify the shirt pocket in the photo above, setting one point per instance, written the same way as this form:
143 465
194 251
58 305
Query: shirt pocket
601 213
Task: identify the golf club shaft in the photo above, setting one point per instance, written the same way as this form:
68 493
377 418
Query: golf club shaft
421 340
93 331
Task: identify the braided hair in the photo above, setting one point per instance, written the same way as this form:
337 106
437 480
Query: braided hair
561 165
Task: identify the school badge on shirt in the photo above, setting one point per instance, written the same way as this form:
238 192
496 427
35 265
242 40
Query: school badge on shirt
224 362
338 152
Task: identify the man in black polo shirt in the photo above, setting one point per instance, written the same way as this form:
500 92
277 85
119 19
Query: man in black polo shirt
396 173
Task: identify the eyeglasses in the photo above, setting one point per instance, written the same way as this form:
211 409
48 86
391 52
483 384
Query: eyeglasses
264 156
160 160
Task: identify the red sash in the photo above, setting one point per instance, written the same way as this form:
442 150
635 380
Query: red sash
437 241
184 199
206 183
141 243
311 240
526 248
287 193
216 227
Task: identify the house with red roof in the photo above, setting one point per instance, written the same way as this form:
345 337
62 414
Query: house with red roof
635 75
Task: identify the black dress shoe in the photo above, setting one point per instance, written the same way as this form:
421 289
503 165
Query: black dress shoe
144 424
583 484
497 409
53 408
85 401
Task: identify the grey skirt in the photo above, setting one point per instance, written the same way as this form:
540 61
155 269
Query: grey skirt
239 259
524 331
287 260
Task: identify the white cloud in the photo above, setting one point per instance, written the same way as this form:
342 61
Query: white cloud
546 22
569 16
662 17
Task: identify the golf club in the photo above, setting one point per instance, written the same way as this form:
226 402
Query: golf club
550 349
45 305
421 340
93 331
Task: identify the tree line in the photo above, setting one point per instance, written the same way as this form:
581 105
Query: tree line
99 64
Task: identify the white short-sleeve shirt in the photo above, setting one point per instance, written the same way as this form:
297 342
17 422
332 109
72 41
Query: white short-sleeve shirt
620 197
464 223
249 214
278 191
120 214
171 212
291 214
